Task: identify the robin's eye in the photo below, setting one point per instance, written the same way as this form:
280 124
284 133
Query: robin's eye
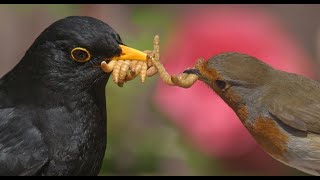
221 84
80 54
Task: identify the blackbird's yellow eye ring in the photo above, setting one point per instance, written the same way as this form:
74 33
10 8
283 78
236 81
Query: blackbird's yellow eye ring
80 54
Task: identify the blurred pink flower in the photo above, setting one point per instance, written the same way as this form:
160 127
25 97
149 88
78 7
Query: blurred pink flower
206 120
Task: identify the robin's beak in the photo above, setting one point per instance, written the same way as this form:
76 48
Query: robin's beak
128 53
192 71
198 73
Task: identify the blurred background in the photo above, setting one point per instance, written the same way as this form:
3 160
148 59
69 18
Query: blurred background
154 129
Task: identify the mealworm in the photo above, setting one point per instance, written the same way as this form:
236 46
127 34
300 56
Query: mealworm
154 54
152 71
166 78
131 75
133 65
108 67
150 55
149 62
116 71
120 83
156 47
179 77
123 69
184 80
138 67
143 72
163 73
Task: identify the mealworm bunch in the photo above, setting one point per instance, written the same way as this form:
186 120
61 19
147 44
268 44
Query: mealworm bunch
126 70
123 71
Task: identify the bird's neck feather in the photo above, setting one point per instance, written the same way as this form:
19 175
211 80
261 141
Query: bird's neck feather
241 101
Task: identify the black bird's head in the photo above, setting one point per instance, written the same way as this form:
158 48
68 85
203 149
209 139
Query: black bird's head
68 53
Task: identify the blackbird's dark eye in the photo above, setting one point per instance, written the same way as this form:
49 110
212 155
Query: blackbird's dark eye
221 84
80 54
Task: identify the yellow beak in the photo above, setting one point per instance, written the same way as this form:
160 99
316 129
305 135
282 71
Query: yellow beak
129 53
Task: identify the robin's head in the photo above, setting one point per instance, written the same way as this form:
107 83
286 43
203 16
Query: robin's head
234 76
69 52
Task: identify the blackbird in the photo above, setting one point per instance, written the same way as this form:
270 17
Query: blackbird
280 110
52 103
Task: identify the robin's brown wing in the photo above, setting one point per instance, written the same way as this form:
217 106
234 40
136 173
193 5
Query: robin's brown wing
300 114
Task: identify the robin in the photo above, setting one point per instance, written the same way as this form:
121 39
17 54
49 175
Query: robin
52 103
281 110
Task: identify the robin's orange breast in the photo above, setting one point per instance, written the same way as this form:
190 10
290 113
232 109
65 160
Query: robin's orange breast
268 135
